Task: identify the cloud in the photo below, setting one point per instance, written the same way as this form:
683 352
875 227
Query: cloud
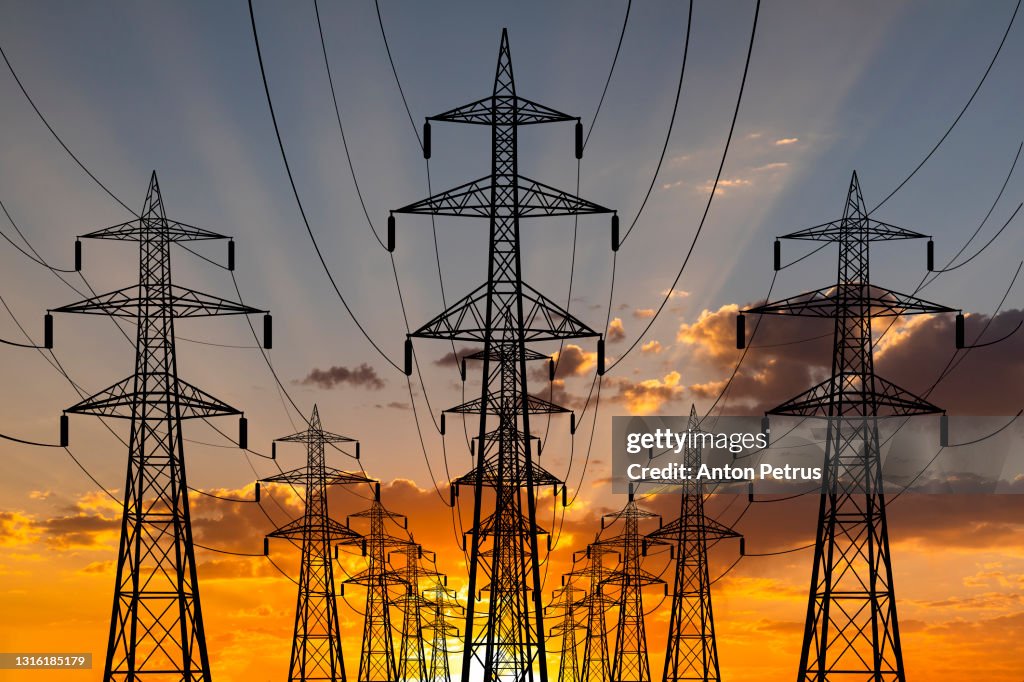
644 313
454 358
571 361
653 347
393 405
647 396
778 165
787 356
790 354
16 529
675 293
724 184
983 381
363 376
616 332
786 140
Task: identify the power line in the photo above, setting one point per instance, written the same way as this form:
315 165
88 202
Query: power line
711 195
298 199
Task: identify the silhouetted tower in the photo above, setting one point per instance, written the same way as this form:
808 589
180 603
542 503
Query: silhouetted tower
440 600
691 652
596 661
156 625
415 606
503 315
851 630
567 601
316 645
412 653
377 660
630 662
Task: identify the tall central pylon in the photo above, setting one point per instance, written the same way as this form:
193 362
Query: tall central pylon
852 631
503 315
316 644
691 652
156 625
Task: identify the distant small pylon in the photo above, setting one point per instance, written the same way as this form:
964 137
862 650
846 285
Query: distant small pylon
316 645
691 651
377 661
630 660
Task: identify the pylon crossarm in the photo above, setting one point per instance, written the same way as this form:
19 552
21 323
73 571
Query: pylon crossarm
850 299
638 577
372 577
182 303
533 404
679 529
117 401
332 531
475 199
332 477
315 435
849 398
481 112
543 320
538 199
137 230
838 230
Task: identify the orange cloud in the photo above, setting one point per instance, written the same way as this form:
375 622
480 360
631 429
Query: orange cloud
653 347
616 332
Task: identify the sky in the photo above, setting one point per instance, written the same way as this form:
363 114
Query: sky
176 88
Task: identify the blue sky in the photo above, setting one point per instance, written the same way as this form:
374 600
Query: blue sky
176 87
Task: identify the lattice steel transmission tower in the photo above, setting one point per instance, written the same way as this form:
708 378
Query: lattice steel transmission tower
440 601
377 659
416 608
596 661
691 652
566 601
630 662
503 315
156 625
851 630
316 644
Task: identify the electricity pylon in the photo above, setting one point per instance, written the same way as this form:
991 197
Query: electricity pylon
316 644
440 600
156 624
415 606
377 659
691 652
567 600
503 315
852 631
630 661
596 661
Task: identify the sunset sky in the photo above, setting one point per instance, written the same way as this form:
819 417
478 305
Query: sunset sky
176 87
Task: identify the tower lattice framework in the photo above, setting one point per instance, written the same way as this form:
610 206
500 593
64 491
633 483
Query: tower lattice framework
851 630
630 659
691 650
316 644
156 623
566 601
377 662
596 660
503 315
